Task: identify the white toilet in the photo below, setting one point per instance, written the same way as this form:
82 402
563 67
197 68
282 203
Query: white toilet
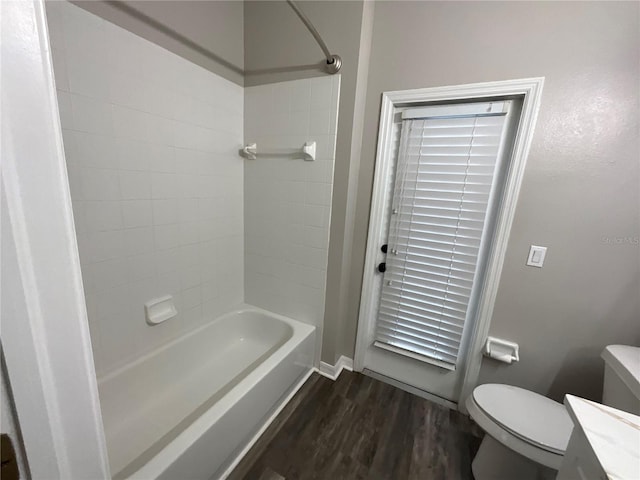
527 433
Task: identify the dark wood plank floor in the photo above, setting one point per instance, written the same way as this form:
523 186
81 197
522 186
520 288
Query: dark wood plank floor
360 428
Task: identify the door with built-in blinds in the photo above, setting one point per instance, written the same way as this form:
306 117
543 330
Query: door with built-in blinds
442 206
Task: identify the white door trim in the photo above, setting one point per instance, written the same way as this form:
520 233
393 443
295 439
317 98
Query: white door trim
530 90
45 332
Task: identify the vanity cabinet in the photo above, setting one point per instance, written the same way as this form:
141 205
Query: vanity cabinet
604 444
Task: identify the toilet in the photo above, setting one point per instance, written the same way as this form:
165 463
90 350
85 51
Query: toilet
526 434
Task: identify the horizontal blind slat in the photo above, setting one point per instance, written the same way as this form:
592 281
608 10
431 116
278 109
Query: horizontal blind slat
390 346
428 349
477 155
419 346
452 198
455 132
426 263
444 315
423 224
441 239
405 278
463 122
406 290
404 232
440 212
422 272
437 217
422 258
410 276
412 296
429 245
419 305
428 316
436 343
435 318
424 331
401 331
467 129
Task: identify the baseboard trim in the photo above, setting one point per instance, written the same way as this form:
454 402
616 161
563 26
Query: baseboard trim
334 371
236 461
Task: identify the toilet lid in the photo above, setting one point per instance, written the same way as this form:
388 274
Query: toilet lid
527 415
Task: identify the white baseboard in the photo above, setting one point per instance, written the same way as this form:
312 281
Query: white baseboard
333 371
266 424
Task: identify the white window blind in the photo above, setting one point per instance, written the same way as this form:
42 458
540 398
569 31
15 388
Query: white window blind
444 177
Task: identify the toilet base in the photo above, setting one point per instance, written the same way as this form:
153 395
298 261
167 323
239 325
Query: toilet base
494 461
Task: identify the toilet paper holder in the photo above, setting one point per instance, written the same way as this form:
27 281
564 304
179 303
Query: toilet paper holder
501 350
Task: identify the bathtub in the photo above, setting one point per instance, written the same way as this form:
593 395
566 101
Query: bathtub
187 410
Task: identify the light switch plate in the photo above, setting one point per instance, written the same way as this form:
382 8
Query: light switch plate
536 256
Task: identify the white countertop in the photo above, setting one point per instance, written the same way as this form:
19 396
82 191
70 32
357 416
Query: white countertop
613 435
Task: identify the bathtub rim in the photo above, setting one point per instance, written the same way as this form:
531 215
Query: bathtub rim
173 450
238 309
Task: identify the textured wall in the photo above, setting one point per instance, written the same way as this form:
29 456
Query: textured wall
288 200
157 186
580 195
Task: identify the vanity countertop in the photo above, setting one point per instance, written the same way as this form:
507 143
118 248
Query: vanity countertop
612 435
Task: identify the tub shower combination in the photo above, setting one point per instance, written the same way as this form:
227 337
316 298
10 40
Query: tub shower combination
223 253
190 408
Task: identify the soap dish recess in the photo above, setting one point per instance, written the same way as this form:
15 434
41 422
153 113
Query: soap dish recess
159 310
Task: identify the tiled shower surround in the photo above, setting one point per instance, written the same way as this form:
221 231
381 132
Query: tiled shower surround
287 201
163 204
151 144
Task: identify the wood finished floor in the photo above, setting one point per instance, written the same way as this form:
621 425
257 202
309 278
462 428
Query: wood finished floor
360 428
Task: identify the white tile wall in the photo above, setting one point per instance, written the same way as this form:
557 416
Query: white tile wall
157 186
287 203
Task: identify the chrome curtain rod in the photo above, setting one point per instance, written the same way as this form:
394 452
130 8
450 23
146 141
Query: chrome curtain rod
334 62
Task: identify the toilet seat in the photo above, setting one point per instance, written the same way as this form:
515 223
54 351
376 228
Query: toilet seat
532 417
530 424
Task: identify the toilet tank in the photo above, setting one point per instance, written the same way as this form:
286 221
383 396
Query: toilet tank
621 388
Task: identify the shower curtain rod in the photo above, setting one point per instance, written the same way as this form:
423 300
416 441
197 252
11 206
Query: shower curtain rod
334 62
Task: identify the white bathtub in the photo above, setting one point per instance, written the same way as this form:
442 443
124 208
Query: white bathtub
186 410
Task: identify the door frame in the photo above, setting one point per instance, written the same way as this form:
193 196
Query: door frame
45 332
530 91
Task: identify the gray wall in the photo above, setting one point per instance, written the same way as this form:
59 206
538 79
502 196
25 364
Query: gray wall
210 34
580 191
278 47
